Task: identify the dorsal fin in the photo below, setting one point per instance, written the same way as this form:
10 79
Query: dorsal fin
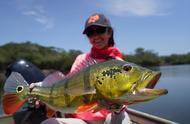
88 62
14 80
82 62
53 78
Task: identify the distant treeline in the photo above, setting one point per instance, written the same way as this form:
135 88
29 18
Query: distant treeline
59 59
150 58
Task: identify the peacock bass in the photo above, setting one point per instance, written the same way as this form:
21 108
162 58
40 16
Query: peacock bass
115 81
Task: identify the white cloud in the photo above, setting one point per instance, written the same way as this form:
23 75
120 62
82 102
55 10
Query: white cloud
135 7
41 18
36 12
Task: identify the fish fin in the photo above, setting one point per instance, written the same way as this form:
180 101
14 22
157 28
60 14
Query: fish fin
87 107
50 112
79 92
81 63
91 91
89 62
11 103
97 108
14 80
53 78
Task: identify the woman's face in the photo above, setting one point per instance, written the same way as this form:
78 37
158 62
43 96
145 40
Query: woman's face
99 36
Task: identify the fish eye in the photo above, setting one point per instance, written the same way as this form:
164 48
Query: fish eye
19 89
127 67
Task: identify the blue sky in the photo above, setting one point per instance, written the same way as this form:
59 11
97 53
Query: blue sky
159 25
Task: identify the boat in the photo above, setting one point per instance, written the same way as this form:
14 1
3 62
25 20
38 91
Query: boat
137 117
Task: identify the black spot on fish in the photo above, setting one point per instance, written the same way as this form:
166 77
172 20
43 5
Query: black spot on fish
99 82
111 72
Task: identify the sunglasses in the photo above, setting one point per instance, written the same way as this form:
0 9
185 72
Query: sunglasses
96 31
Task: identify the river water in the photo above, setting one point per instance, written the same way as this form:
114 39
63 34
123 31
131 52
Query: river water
175 105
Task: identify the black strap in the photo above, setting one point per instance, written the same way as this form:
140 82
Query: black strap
35 116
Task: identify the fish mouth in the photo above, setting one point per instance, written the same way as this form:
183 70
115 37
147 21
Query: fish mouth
152 79
144 91
149 81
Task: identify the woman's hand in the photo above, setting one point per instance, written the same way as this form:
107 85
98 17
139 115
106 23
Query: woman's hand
33 101
114 107
32 85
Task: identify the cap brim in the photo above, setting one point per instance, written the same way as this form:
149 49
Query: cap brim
84 32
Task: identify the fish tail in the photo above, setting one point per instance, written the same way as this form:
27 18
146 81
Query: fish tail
15 93
11 103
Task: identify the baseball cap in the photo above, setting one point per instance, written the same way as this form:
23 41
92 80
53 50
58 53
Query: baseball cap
96 19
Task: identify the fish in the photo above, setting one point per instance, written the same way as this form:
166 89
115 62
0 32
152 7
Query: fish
114 81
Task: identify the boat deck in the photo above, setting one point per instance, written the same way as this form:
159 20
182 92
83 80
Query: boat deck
138 117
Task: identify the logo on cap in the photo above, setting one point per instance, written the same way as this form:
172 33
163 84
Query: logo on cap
93 19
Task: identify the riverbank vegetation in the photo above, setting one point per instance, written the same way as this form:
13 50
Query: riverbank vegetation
59 59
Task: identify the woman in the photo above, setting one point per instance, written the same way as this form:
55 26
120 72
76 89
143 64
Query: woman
100 35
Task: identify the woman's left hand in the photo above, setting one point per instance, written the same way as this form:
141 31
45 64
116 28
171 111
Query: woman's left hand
114 107
33 101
